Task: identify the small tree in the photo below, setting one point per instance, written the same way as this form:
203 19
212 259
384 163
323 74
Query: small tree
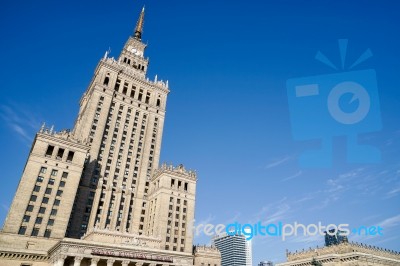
315 262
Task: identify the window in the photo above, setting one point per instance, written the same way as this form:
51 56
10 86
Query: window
36 188
106 80
186 186
116 87
29 208
60 153
140 95
64 175
47 233
62 184
51 181
22 230
39 179
43 170
42 210
50 222
54 172
48 190
33 198
38 220
45 200
125 89
53 212
59 192
35 231
158 102
50 150
26 218
57 202
70 156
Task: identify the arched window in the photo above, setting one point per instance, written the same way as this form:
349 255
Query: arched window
158 102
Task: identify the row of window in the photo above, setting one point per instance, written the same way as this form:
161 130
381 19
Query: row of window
35 231
179 185
45 201
137 66
59 154
130 90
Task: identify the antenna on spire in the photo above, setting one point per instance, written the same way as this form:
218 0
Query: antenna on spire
139 25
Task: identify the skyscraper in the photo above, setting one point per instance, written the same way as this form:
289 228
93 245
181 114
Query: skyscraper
235 249
97 193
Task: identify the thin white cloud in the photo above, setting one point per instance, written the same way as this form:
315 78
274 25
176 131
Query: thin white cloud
293 176
383 240
390 222
392 193
19 120
273 212
21 132
278 162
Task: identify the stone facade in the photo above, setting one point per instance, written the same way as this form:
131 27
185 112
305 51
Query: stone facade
45 196
171 209
206 256
343 254
96 195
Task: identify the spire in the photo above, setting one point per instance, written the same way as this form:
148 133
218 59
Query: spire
139 25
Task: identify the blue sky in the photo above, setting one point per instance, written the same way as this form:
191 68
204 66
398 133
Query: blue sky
228 115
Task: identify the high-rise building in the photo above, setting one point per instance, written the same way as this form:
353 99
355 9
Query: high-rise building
96 194
235 249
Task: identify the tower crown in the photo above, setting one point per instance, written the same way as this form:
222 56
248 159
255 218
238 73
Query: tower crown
139 26
132 55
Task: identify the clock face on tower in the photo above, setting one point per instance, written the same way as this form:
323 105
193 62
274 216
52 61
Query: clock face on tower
136 51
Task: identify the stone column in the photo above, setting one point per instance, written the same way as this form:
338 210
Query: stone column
139 264
77 261
110 262
125 262
94 261
60 260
